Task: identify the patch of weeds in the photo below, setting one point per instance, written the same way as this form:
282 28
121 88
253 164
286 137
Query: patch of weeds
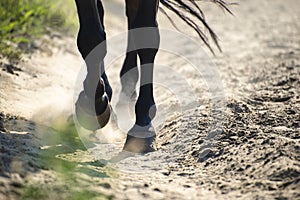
67 134
62 193
33 192
92 172
62 154
10 52
21 21
83 195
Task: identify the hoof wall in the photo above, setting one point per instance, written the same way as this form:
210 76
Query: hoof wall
86 114
139 145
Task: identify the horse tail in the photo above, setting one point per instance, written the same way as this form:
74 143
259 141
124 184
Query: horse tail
190 12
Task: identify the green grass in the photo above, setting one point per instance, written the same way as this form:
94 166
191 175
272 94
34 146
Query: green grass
75 179
21 21
62 193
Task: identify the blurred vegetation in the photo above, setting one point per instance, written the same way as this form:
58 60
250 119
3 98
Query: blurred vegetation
61 193
21 21
66 155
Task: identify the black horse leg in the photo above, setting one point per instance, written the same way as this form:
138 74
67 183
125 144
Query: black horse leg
146 39
129 73
108 88
92 106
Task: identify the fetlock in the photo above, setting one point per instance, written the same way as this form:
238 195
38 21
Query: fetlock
108 90
128 84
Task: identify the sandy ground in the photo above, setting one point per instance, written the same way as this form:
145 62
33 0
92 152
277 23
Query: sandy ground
238 140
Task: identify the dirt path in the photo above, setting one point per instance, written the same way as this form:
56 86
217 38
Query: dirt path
247 149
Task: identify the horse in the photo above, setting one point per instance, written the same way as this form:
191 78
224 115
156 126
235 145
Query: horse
92 107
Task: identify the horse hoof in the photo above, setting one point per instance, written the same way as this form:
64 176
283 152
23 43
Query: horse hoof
87 116
103 118
139 145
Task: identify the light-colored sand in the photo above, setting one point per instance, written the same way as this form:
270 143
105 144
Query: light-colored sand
246 148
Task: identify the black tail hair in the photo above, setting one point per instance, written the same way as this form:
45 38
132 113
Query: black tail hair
190 12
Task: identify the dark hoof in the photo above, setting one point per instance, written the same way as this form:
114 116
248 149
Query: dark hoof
140 140
103 118
86 113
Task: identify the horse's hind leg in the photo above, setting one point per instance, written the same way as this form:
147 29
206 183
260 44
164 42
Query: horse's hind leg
129 73
108 88
146 40
92 106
